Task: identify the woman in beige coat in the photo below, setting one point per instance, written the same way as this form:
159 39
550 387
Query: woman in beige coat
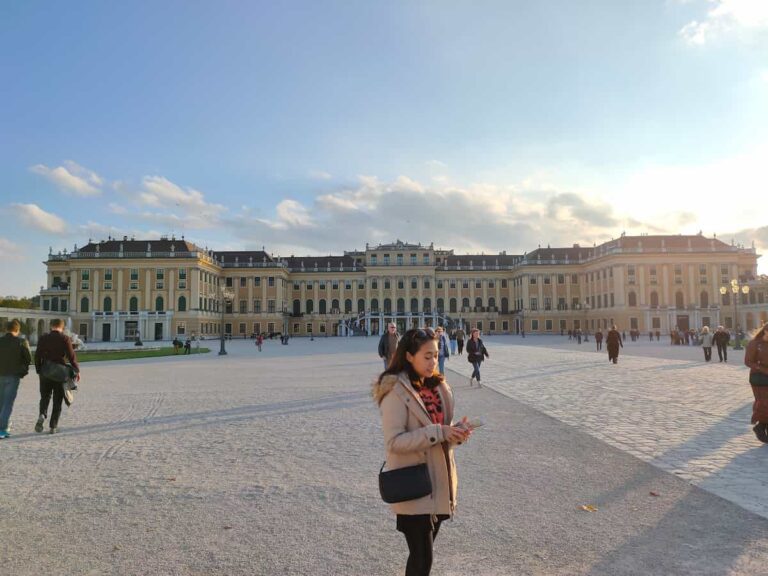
417 419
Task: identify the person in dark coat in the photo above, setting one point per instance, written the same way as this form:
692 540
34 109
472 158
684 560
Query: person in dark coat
53 347
388 344
756 359
476 353
599 339
613 343
721 338
15 359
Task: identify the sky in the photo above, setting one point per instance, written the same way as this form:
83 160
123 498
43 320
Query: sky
314 127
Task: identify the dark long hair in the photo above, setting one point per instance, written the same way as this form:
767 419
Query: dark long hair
411 342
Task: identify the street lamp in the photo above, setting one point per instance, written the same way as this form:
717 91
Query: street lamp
225 295
737 288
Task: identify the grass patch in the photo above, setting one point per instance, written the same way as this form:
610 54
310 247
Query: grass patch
97 356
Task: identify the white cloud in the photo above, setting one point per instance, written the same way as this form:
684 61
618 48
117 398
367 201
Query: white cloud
10 251
34 216
726 16
72 177
320 175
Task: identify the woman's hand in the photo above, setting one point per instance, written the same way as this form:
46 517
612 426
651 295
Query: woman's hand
457 434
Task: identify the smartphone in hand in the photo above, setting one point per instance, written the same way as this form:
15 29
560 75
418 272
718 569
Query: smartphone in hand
472 424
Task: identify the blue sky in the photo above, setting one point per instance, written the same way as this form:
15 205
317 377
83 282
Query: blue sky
315 127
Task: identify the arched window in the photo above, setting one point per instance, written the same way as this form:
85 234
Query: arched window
478 302
159 304
107 304
504 305
133 304
400 306
704 299
84 304
182 304
310 306
387 306
491 302
632 299
414 305
321 308
296 307
374 304
654 299
334 306
427 305
440 305
347 306
465 303
679 303
452 305
360 305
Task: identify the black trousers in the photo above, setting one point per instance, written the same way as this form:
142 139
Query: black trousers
460 344
420 531
722 352
707 353
48 388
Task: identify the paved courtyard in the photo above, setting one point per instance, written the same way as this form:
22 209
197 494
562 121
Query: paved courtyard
266 464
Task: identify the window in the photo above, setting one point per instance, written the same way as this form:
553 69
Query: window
321 309
452 305
347 306
439 284
310 306
257 306
243 306
335 284
478 284
533 280
322 284
654 299
107 304
134 274
632 299
361 284
296 327
400 284
84 305
465 303
465 284
503 283
491 284
241 327
181 328
656 323
574 278
562 304
534 304
257 281
108 279
85 276
373 260
679 302
271 281
182 307
425 258
374 284
386 259
387 284
413 258
427 284
561 278
630 275
478 303
133 304
414 283
400 305
159 304
183 273
452 284
547 279
243 280
534 325
374 305
704 299
547 303
548 325
399 259
347 285
309 325
271 306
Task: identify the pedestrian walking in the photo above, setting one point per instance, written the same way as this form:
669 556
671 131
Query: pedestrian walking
756 359
613 343
452 339
15 359
442 349
599 339
476 353
259 341
721 338
388 344
706 343
188 346
460 335
417 412
56 348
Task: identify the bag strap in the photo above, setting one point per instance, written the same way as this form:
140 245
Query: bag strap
382 467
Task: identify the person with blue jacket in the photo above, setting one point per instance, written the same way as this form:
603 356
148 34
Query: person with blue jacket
442 349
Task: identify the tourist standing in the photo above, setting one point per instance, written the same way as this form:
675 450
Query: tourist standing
388 344
442 349
460 340
259 341
613 343
476 353
706 343
57 348
756 359
452 339
417 411
721 338
599 339
15 359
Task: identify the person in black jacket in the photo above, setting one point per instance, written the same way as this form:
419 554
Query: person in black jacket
388 344
721 338
476 353
57 348
613 343
15 359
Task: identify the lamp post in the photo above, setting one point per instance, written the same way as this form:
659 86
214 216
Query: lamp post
737 288
225 295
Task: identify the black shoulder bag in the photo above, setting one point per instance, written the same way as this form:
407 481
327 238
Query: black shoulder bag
403 484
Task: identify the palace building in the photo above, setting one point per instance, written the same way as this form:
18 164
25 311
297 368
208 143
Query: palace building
118 289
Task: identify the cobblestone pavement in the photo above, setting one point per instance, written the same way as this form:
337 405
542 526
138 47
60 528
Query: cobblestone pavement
683 416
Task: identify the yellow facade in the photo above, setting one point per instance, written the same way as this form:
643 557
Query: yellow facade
166 288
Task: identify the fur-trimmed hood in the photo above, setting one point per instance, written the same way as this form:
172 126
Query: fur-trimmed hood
383 386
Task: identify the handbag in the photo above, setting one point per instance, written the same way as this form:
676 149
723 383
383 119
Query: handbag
69 387
54 371
404 484
758 379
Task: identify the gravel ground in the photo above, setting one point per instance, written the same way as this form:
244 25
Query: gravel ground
266 464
